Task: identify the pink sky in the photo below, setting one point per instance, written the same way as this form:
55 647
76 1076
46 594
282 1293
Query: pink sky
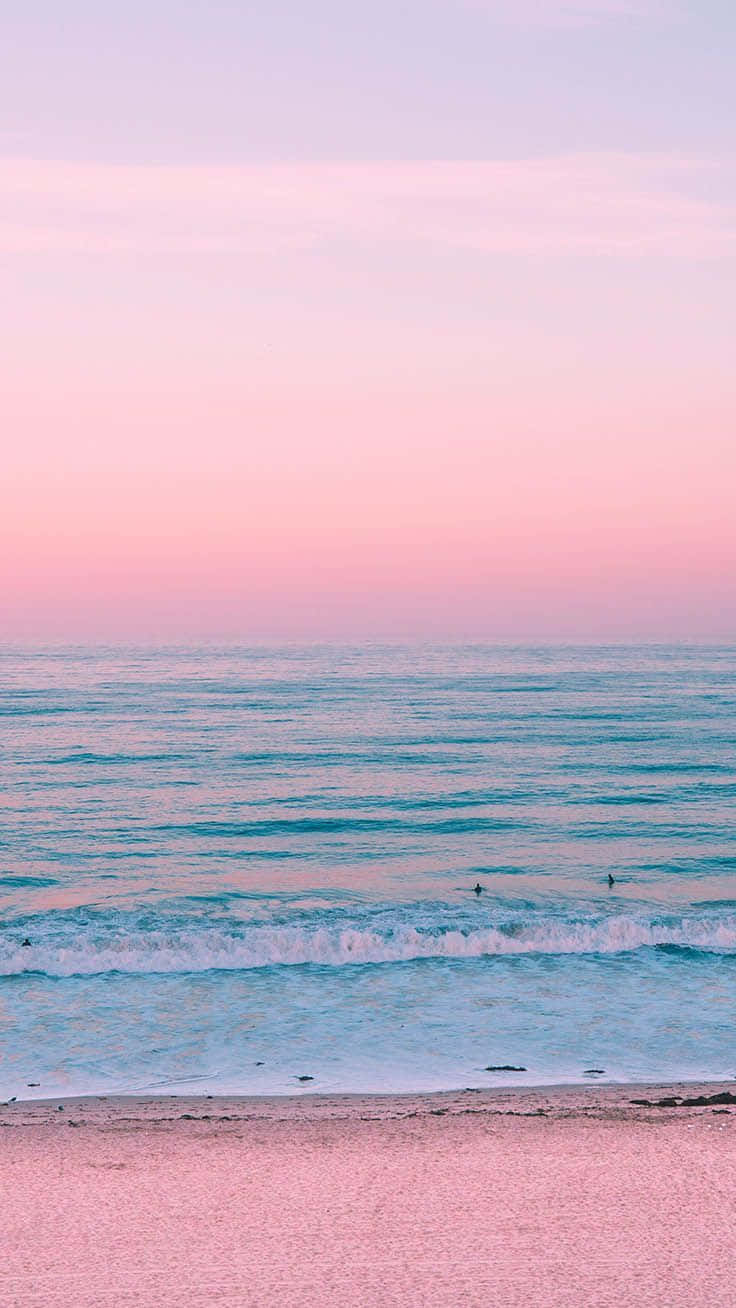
353 398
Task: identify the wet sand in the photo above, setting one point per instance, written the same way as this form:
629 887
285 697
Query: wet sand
556 1197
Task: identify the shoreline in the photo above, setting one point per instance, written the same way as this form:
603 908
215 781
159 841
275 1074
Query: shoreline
617 1101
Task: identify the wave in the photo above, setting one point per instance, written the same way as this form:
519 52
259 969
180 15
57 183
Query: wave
197 949
326 825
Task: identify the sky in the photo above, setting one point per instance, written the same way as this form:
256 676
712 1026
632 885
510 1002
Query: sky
327 320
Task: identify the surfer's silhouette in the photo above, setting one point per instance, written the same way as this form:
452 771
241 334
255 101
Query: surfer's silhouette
477 888
611 881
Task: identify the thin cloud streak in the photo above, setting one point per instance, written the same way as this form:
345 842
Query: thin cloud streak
586 204
574 13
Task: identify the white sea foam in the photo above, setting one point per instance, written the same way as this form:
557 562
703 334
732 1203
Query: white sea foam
199 950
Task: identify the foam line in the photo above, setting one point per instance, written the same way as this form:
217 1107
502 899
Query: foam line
199 950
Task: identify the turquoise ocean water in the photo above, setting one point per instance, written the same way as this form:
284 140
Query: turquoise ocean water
238 867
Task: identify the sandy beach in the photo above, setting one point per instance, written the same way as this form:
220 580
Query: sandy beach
566 1196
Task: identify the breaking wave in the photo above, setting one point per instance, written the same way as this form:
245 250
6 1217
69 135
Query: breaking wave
197 949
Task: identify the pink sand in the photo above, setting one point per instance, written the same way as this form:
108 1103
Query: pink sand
456 1199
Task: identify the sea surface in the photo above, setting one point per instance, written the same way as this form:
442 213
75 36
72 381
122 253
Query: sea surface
238 867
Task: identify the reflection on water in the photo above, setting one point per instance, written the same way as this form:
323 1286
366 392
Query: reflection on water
235 865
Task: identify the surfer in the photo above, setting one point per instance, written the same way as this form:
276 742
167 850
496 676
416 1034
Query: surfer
26 943
477 888
611 881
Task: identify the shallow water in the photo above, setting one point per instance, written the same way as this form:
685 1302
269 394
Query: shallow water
237 867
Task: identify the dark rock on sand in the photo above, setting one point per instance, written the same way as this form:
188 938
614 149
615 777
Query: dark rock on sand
697 1101
702 1101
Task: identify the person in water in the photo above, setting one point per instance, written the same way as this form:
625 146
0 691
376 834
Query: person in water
611 881
477 888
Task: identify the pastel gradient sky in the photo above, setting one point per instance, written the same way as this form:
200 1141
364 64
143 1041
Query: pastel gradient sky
325 319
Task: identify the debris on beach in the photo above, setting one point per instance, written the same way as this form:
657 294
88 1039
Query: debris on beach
697 1101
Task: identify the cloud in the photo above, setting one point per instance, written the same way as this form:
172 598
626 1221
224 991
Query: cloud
590 204
573 13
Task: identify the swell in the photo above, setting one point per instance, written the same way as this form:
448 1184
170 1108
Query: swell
326 825
197 949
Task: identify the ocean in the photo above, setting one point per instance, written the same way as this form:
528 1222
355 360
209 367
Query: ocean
252 870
